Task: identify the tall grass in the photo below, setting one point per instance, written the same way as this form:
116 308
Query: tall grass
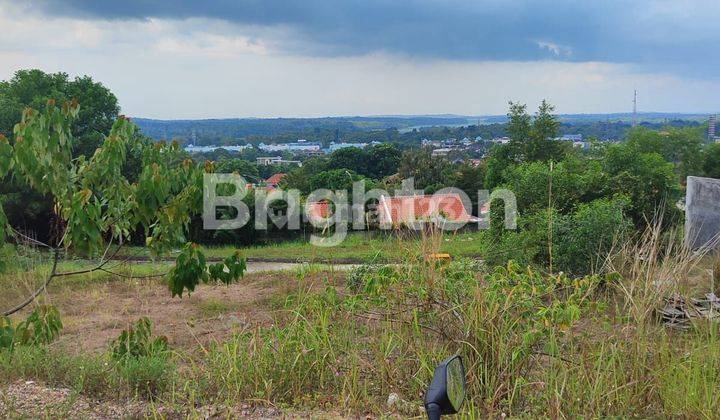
651 267
535 345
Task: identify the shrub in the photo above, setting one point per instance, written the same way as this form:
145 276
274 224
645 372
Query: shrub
138 341
42 326
585 238
581 240
142 360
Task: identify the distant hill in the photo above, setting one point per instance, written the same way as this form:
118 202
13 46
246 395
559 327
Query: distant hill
239 128
244 130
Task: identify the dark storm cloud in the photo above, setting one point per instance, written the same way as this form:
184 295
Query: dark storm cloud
657 34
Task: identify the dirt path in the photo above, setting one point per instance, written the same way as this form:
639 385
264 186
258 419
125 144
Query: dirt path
260 266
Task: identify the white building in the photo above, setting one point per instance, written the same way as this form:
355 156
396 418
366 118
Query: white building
298 146
276 160
500 140
191 148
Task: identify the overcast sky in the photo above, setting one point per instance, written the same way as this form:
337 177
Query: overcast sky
268 58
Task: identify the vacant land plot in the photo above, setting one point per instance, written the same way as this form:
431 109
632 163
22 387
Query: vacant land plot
95 308
315 341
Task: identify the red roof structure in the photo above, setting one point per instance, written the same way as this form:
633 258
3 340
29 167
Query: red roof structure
414 208
318 210
274 180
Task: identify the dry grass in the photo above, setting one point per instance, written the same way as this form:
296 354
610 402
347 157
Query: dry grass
97 306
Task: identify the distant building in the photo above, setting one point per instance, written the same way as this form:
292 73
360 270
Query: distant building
276 160
581 144
429 143
500 140
441 152
268 160
191 148
712 123
570 137
300 146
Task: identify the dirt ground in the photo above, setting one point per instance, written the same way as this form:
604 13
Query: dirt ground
30 400
94 314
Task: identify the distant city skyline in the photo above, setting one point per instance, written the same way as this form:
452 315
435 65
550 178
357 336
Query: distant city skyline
216 59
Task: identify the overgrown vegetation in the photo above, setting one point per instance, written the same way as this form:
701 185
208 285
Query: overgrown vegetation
534 343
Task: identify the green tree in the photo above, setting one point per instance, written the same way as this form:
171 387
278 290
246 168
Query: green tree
429 172
519 123
352 158
533 139
470 179
242 167
25 206
500 158
382 160
335 179
646 178
574 181
99 206
33 88
711 161
680 146
299 178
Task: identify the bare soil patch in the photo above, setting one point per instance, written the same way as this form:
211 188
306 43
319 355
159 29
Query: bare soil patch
95 313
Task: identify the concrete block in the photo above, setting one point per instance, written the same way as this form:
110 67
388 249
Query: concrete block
702 212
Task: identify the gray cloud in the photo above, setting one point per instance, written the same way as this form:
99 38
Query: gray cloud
660 35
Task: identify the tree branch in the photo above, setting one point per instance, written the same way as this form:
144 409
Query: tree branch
130 276
37 292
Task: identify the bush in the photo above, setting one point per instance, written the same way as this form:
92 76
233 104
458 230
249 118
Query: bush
42 326
581 240
573 181
142 360
137 341
585 238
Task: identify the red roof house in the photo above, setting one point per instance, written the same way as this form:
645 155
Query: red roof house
273 182
318 210
413 208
